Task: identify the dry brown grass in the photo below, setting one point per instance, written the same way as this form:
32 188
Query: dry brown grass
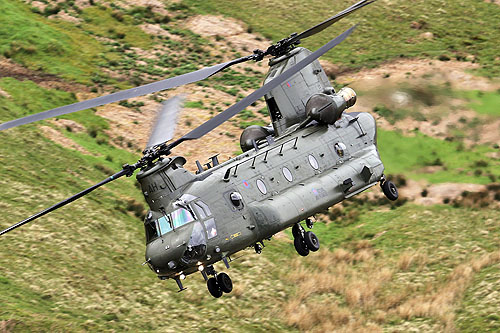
408 259
440 304
354 290
7 326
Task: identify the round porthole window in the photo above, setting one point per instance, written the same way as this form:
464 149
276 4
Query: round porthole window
314 162
340 149
287 174
261 186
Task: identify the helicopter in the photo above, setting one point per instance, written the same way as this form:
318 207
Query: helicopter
312 156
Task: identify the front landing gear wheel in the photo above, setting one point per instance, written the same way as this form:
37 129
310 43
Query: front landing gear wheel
311 241
224 282
301 246
297 230
214 288
390 190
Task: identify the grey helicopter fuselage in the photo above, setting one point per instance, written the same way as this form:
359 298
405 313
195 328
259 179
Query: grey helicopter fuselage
314 156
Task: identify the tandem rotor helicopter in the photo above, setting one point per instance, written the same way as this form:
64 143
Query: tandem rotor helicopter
313 156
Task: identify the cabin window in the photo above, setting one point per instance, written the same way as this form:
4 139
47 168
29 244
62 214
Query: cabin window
261 186
211 228
200 211
313 162
288 174
340 148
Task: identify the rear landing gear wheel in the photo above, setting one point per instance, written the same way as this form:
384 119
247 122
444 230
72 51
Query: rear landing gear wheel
301 246
224 282
214 288
390 190
311 241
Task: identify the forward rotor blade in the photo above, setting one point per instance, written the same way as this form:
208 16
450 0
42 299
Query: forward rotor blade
245 102
325 24
126 94
166 120
117 175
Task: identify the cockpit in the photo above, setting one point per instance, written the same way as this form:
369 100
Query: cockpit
167 223
186 223
190 218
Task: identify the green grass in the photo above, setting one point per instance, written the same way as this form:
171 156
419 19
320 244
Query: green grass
100 21
409 154
483 102
50 46
79 268
384 33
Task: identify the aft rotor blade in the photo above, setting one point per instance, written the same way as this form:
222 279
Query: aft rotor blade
126 94
325 24
245 102
117 175
166 120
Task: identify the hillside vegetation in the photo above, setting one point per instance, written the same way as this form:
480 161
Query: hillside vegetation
428 262
462 30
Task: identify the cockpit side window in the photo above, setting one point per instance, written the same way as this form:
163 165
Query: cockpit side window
151 230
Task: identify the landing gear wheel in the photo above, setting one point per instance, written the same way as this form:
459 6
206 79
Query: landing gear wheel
214 288
390 190
311 241
296 230
301 246
224 282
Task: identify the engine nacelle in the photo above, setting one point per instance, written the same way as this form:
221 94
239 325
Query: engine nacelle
254 133
328 108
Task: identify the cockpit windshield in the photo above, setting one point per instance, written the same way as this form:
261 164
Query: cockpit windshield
167 223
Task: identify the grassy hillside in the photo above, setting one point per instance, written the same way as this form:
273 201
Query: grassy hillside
387 29
382 267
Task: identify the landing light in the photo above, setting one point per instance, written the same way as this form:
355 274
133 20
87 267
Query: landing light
201 268
182 276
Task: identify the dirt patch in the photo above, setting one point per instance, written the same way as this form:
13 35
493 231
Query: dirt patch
56 136
496 2
423 193
438 72
4 94
156 6
210 25
419 93
69 125
64 16
154 29
129 128
7 325
8 68
228 34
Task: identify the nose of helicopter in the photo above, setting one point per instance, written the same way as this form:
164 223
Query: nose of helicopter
163 254
176 250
